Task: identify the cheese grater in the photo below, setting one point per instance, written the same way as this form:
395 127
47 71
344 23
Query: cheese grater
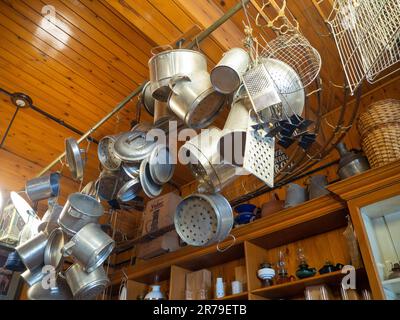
260 88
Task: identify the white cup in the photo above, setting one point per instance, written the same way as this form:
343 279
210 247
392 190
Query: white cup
237 287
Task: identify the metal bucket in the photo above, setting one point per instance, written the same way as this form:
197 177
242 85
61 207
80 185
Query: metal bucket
316 186
227 74
295 195
43 187
203 219
90 247
32 251
86 286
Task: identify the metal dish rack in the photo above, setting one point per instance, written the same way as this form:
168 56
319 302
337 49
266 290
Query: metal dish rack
367 35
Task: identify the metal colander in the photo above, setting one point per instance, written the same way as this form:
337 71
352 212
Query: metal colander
203 219
297 52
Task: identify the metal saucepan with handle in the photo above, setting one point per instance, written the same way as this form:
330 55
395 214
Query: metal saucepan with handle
194 100
90 246
86 286
203 219
164 65
43 187
226 76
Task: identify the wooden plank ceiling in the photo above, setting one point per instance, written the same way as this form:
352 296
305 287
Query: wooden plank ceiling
80 64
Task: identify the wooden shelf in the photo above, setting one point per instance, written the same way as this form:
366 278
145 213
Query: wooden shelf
317 215
239 296
297 287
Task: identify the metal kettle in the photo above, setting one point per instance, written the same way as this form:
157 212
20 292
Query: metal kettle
351 163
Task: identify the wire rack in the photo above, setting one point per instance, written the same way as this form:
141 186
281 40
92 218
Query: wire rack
367 37
296 51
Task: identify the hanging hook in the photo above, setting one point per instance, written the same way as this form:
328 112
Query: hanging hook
229 246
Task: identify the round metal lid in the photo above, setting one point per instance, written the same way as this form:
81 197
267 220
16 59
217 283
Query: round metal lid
129 190
150 188
131 170
196 221
52 251
74 158
105 152
161 164
133 146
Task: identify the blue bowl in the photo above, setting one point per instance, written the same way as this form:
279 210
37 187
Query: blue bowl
245 208
244 218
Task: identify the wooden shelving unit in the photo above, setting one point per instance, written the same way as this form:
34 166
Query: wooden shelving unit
239 296
297 287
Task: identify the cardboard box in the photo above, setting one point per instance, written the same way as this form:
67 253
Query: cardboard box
198 285
160 212
166 243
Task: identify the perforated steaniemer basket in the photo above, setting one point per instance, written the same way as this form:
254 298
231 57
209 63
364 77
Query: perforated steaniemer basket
203 219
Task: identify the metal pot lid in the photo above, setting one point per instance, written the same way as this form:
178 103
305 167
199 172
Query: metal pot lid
131 170
147 99
106 154
150 188
133 147
161 164
74 158
52 251
129 190
60 292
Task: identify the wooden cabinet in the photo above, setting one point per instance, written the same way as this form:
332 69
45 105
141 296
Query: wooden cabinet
373 200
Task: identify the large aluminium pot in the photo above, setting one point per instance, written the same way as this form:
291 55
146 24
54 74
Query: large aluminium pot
90 246
86 286
60 291
32 277
203 219
194 100
163 66
43 187
79 210
32 251
205 163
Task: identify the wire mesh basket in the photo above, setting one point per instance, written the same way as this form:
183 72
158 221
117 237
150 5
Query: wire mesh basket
366 34
296 51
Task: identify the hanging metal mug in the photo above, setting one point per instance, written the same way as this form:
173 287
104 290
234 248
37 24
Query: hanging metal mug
43 187
90 247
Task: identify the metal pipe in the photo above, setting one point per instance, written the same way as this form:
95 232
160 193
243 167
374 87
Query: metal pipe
204 34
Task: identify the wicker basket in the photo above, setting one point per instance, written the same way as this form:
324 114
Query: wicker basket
379 128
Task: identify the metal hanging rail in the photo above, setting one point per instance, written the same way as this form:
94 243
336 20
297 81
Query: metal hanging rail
199 38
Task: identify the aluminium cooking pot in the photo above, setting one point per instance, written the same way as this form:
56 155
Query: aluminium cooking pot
147 99
226 76
194 100
33 276
52 252
60 291
31 252
86 286
203 219
43 187
90 246
164 65
84 205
